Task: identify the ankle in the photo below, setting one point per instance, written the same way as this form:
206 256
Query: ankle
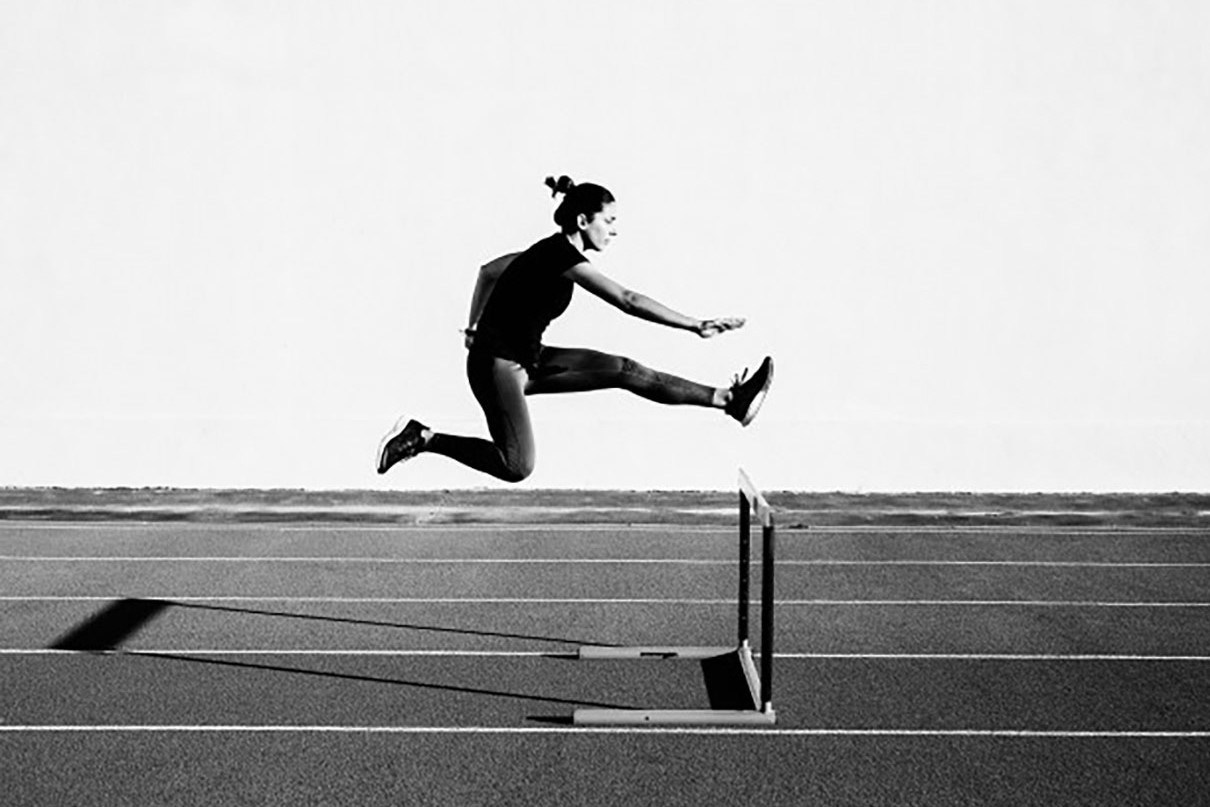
722 397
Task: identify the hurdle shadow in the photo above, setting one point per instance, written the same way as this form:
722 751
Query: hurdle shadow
423 685
726 684
119 621
111 626
122 619
397 625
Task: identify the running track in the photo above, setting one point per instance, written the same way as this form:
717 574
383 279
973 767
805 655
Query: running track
248 664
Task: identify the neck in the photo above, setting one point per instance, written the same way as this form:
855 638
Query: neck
576 239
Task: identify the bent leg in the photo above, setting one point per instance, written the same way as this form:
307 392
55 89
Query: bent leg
499 387
562 369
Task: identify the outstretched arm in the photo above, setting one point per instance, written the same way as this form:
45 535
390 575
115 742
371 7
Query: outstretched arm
643 307
489 273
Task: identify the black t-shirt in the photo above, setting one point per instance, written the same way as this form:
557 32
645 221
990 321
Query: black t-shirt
528 295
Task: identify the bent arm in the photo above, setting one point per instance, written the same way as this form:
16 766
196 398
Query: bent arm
489 273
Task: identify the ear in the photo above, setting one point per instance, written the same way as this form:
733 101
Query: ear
582 220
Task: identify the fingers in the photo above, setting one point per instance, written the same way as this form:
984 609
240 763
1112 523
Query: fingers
713 327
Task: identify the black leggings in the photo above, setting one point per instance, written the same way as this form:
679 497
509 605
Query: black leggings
500 386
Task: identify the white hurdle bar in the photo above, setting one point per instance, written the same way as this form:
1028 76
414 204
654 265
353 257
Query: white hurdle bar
759 685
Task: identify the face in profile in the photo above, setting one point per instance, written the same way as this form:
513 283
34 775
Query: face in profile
598 231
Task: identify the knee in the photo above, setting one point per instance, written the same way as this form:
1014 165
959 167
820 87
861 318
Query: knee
629 368
518 470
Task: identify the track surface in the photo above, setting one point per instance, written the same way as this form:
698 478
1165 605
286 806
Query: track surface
242 664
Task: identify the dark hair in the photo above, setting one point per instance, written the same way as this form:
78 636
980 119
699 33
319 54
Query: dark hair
587 198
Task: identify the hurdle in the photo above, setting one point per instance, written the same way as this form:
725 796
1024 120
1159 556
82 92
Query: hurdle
756 699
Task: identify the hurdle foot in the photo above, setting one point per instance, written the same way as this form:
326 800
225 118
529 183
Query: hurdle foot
652 652
673 717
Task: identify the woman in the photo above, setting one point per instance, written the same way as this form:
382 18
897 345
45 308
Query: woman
515 299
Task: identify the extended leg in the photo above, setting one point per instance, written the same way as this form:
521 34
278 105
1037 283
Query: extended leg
562 369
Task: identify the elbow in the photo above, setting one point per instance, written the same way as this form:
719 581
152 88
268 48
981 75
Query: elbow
632 303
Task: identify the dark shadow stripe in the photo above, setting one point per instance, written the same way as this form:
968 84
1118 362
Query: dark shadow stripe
111 626
425 685
382 624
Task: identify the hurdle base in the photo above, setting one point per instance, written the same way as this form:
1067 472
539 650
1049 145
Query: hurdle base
673 717
651 652
742 703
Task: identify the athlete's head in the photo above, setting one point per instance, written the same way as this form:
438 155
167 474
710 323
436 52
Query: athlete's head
586 209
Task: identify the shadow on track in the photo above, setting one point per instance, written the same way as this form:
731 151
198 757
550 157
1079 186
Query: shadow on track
120 620
106 630
112 625
245 665
376 623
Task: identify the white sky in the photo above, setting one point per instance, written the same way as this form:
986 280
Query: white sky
237 239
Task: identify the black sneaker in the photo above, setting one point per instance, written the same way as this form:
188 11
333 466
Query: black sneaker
747 394
401 443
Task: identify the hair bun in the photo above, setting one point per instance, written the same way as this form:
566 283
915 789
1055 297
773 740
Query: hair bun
561 185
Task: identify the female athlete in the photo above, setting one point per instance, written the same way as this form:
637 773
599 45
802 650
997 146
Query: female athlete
516 297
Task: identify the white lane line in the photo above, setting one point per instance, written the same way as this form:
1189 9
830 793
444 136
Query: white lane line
168 651
335 527
996 603
587 561
1080 657
517 730
418 561
608 601
687 530
1039 657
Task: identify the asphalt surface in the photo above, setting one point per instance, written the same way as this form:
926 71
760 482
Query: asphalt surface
244 664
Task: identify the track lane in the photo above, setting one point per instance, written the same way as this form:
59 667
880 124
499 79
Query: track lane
872 731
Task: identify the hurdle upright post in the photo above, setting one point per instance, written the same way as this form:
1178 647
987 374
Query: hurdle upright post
745 558
768 549
752 499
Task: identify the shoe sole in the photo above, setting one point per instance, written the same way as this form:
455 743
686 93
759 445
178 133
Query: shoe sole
395 431
758 399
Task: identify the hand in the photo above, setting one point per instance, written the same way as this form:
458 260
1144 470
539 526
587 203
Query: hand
468 337
713 327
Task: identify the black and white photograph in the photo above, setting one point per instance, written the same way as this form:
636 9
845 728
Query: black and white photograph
604 403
